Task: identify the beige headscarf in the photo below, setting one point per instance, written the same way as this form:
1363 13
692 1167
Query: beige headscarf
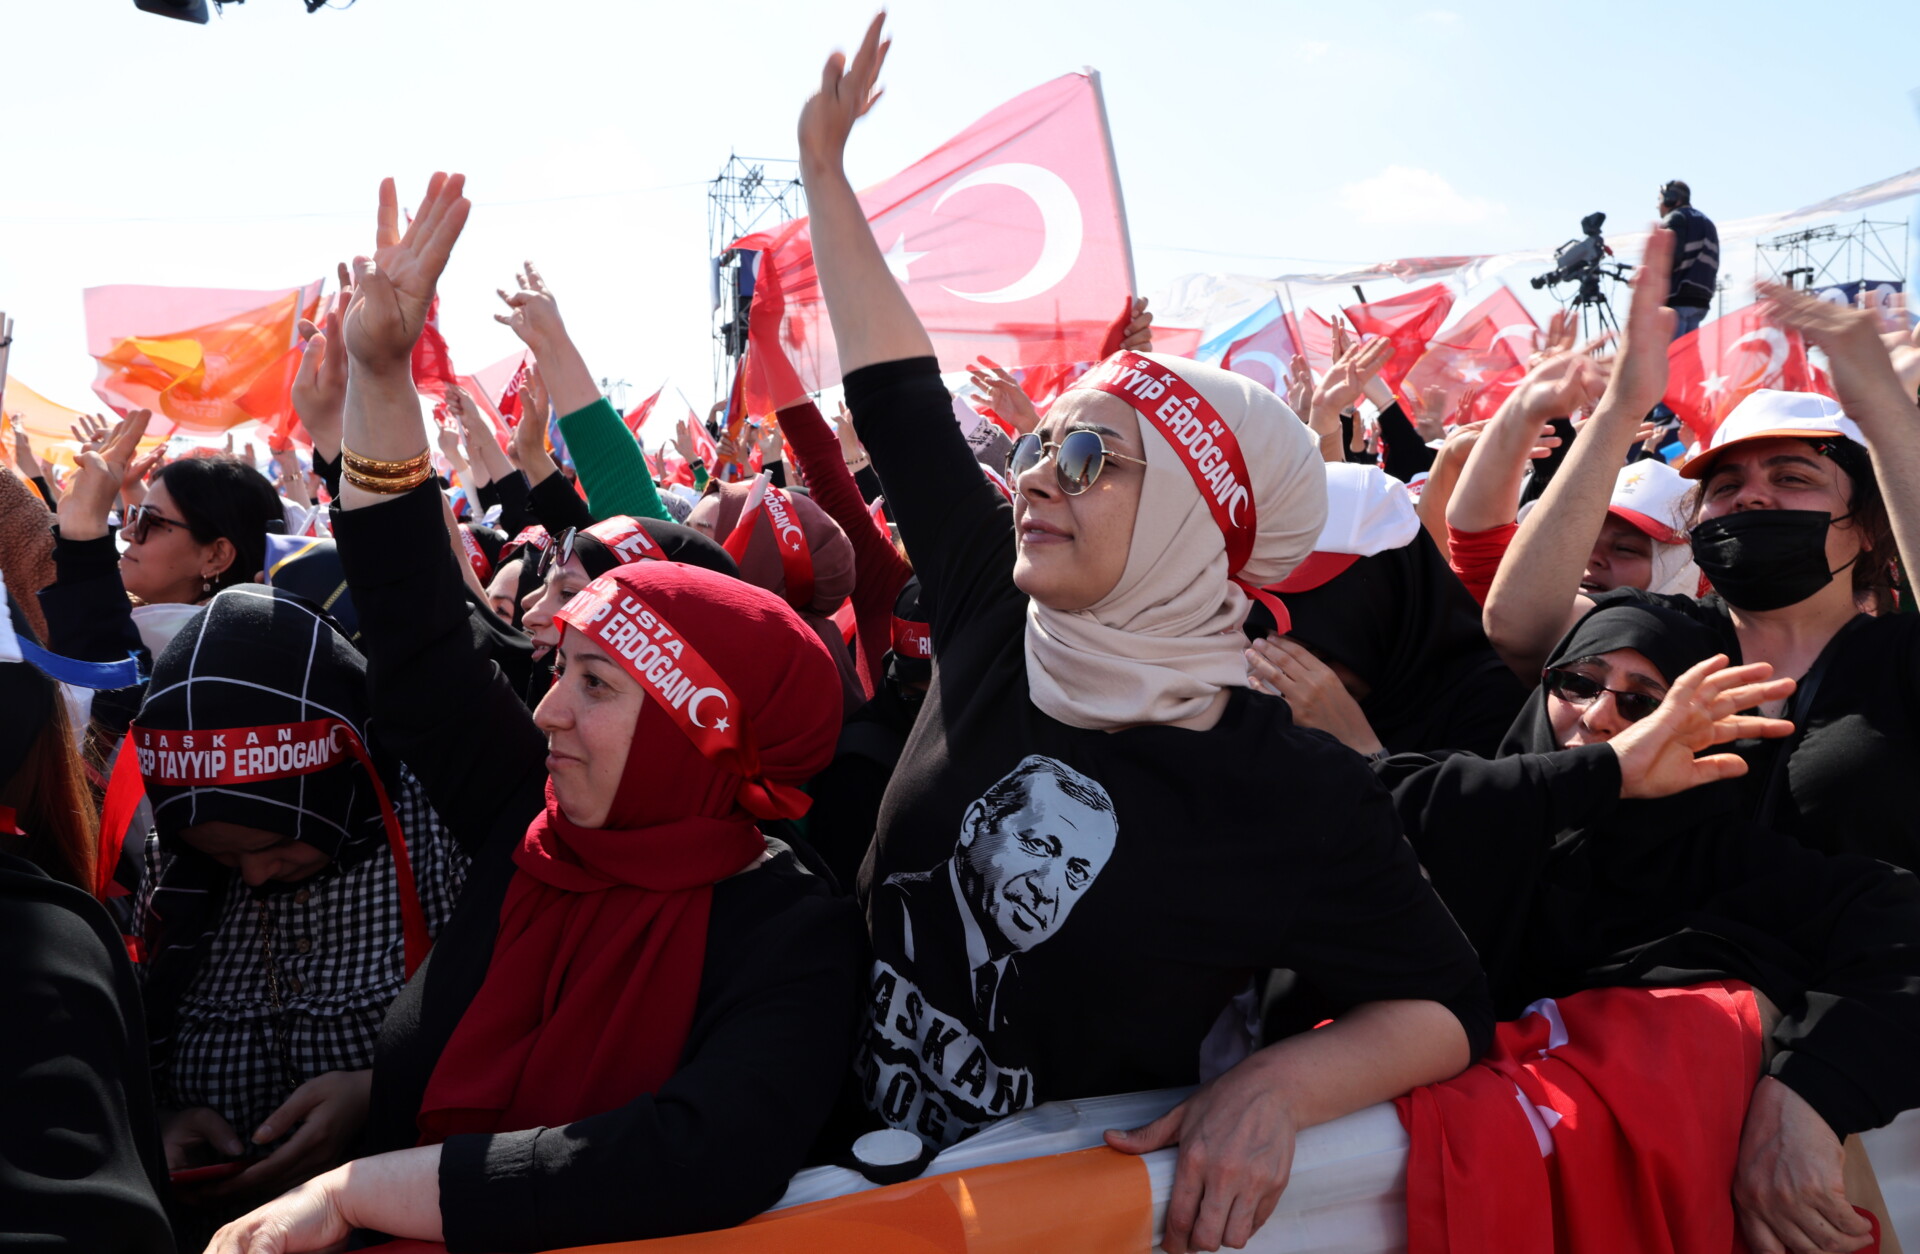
1166 640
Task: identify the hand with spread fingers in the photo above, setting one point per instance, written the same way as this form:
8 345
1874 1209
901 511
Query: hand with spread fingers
320 387
847 90
1005 395
394 289
103 468
1700 710
1319 698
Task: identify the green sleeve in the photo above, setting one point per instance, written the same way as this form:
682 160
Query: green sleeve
610 464
700 476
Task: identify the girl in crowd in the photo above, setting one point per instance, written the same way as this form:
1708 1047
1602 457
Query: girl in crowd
641 1011
1089 739
1795 526
82 1168
278 922
1591 854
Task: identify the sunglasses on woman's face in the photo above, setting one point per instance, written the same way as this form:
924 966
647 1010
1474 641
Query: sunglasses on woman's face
1583 690
559 553
142 519
1077 460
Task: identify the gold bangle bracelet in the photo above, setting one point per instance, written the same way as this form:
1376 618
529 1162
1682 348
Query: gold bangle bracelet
386 485
376 469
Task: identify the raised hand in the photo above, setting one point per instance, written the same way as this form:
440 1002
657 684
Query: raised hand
320 387
1344 383
683 442
769 443
1700 710
1639 376
530 433
97 480
1139 333
91 432
847 91
1005 394
394 289
1561 385
852 451
23 457
448 436
532 313
1300 388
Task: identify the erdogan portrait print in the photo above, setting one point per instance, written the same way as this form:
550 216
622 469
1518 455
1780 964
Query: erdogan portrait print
942 1053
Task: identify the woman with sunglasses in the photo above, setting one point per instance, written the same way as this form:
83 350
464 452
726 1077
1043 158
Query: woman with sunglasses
201 527
640 1014
1597 851
1801 509
1097 833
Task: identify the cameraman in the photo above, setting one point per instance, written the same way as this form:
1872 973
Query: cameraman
1696 256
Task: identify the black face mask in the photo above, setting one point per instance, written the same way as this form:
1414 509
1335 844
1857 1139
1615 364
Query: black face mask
1766 559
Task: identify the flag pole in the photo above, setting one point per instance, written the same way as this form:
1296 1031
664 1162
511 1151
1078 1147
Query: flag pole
1113 180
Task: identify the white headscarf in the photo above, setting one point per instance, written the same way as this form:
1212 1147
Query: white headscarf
1162 644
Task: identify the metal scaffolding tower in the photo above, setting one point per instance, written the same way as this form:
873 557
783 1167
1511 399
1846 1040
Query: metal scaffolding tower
749 194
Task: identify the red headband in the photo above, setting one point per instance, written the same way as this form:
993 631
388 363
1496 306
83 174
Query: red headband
626 539
673 675
1194 429
228 756
911 639
476 557
535 537
796 555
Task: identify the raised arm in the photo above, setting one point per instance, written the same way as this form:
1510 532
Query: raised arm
433 690
609 460
1536 595
1871 392
872 320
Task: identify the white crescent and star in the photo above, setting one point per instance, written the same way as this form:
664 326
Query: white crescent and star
1774 340
693 707
1269 360
799 537
1061 225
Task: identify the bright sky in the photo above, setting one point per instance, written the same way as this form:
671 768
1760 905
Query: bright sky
1259 137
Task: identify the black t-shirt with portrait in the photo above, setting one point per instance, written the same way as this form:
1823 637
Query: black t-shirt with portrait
1061 913
1847 783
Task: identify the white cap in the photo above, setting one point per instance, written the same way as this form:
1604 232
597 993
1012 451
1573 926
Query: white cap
1769 414
1368 512
1651 495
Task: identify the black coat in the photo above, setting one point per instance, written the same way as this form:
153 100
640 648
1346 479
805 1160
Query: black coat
81 1166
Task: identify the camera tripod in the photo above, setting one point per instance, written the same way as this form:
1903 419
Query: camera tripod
1596 312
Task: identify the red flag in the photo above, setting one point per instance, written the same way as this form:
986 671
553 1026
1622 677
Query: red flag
1008 239
1727 360
638 417
1487 350
189 354
703 446
432 363
1265 355
1410 321
1314 334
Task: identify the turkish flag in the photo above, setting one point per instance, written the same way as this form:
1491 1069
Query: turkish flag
638 417
1008 239
1265 354
1487 350
189 354
1714 368
432 363
1410 321
1314 335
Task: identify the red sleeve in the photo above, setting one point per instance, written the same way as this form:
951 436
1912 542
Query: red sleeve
1475 556
879 570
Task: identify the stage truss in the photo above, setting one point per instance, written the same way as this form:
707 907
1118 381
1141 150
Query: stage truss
749 194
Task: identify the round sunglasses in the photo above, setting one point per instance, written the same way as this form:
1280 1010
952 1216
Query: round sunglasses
142 519
1582 690
1078 459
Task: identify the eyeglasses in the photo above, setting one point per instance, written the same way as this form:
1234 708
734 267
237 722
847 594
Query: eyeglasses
558 553
1581 690
1077 460
142 519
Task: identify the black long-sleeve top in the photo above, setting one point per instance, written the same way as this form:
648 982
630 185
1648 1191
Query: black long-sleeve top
1060 912
89 617
1562 886
774 1024
81 1166
556 506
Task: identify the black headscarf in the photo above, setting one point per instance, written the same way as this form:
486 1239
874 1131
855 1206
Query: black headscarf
1672 641
1670 892
680 544
1404 623
255 656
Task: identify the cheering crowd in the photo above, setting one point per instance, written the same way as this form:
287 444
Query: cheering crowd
581 879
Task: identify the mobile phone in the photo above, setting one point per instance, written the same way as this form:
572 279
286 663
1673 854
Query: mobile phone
207 1174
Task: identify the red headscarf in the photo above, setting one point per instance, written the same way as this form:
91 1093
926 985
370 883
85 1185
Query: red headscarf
833 571
595 971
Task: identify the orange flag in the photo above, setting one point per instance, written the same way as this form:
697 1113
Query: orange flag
202 359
